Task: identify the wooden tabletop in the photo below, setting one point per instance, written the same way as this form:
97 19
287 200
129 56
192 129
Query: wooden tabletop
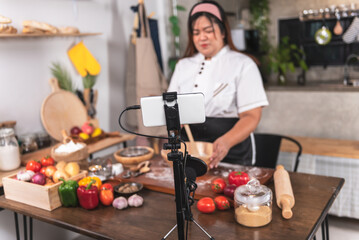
314 196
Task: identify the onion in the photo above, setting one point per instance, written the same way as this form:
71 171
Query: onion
229 190
38 178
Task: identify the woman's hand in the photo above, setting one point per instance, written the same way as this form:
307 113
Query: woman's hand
220 150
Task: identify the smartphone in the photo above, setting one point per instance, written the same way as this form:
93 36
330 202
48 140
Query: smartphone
190 108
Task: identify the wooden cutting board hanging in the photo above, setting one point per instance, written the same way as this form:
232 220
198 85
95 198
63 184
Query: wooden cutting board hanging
61 110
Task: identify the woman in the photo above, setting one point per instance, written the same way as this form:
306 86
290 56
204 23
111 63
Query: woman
230 81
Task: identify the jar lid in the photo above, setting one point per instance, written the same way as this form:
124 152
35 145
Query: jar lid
253 194
6 132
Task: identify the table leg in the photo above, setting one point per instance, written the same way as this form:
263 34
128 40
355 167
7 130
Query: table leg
327 226
25 226
16 226
30 228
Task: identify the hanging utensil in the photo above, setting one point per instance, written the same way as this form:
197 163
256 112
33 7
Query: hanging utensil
338 29
323 35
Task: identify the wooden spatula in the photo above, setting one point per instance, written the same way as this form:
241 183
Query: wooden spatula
194 147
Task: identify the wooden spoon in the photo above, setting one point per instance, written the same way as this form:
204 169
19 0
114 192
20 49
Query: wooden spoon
66 138
145 168
194 147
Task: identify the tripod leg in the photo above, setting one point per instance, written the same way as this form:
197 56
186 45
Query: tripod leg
166 236
200 227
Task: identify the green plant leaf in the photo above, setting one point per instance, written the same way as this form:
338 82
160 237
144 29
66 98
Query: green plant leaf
62 76
180 8
89 80
176 30
177 45
172 64
173 20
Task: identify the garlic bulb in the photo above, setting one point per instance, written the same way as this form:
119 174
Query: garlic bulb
120 203
25 175
135 201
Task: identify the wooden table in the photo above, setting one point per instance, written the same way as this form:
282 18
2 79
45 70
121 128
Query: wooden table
314 196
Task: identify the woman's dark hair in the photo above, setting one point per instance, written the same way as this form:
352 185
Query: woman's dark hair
223 26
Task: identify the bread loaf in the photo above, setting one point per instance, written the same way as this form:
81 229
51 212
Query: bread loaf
69 30
5 29
4 20
35 25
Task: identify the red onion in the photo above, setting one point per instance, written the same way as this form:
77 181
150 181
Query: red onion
38 178
229 190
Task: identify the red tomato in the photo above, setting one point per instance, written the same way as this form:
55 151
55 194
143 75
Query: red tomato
106 186
33 166
218 185
47 161
106 197
238 178
50 171
222 203
206 205
43 170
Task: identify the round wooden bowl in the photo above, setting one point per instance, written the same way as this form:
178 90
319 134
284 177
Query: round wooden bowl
205 150
132 161
75 156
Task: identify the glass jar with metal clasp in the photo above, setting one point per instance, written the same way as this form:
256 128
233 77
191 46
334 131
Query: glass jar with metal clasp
9 150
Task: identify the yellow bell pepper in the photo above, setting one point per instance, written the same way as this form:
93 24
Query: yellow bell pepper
86 180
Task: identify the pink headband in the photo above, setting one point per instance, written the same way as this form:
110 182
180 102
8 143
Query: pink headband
207 7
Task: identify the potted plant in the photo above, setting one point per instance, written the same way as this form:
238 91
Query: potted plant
176 31
285 58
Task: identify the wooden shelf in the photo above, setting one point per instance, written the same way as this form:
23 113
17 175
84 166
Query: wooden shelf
22 35
92 148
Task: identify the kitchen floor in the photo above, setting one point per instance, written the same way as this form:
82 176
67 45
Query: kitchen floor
341 228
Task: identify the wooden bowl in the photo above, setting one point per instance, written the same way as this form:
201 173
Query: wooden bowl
205 150
132 161
75 156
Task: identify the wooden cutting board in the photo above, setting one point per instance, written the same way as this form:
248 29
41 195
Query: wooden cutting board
160 178
61 110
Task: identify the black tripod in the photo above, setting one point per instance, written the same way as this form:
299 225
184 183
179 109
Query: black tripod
183 186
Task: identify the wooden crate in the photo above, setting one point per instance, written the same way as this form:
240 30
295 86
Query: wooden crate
44 197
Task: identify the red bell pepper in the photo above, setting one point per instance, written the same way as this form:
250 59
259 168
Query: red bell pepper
88 196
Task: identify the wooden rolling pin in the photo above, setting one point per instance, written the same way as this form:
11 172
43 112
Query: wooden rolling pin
283 191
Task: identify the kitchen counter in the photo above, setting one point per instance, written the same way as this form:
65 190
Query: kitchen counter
322 86
323 147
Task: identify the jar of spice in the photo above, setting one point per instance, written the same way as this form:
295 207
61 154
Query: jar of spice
9 150
28 143
43 140
253 204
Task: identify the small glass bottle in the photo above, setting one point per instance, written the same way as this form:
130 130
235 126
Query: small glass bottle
9 150
28 143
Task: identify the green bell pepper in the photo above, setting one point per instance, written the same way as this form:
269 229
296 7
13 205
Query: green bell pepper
67 192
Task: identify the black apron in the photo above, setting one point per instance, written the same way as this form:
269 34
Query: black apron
212 129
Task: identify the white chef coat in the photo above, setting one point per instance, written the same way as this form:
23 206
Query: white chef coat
230 82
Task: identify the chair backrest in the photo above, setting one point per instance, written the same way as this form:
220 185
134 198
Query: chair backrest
268 147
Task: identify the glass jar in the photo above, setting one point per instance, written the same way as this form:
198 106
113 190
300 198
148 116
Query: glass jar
43 140
253 204
28 143
9 150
